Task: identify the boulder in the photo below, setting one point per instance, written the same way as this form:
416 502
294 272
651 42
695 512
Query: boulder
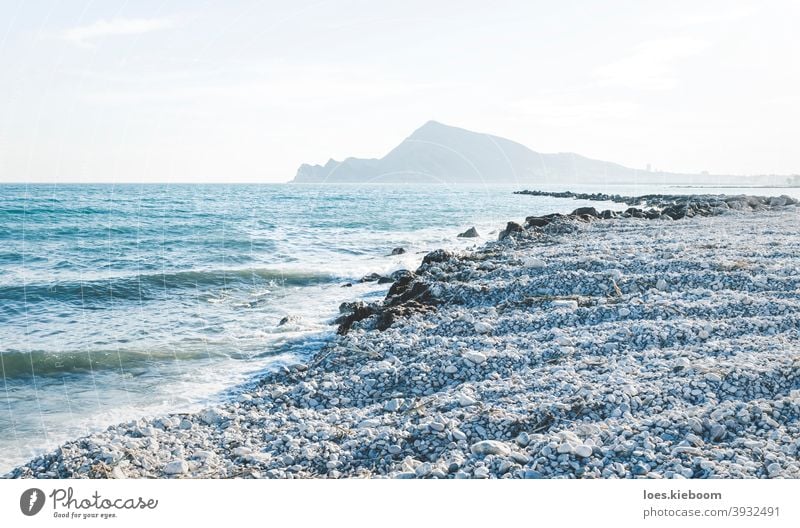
358 311
439 255
536 221
590 211
633 212
511 228
608 214
469 233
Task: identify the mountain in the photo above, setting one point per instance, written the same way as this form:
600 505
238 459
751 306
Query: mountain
437 153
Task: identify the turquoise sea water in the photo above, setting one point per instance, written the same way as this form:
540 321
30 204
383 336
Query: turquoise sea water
120 301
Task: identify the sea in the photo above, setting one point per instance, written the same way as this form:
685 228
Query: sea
127 301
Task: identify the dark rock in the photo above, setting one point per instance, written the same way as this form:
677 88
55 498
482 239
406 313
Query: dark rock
608 214
439 255
633 212
385 280
590 211
359 311
413 290
347 285
511 228
536 221
388 315
290 319
652 214
676 212
401 284
372 277
398 251
395 275
469 233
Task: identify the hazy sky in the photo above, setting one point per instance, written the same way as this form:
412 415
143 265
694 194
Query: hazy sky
248 90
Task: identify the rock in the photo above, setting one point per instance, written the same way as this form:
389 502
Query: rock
713 377
464 400
209 416
439 255
624 312
118 473
608 214
718 432
398 251
458 435
590 211
565 448
633 212
520 458
682 363
469 233
490 447
661 284
773 469
640 469
371 277
369 423
537 221
583 451
535 263
359 311
176 467
565 304
512 228
475 357
385 280
393 405
450 369
437 426
241 451
481 472
394 449
398 274
293 319
482 328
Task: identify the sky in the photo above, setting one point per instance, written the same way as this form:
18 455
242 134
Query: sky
246 91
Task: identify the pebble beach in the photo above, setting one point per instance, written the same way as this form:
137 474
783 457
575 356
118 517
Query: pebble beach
654 343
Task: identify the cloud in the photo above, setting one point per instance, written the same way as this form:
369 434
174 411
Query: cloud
652 64
116 27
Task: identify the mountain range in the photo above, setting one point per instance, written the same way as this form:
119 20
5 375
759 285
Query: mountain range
438 153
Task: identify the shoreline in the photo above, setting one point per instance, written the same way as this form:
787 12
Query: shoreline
440 379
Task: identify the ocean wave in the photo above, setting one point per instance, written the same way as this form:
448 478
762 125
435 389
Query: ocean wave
158 285
21 365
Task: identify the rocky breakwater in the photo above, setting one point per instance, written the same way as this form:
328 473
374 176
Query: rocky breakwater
580 348
703 204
